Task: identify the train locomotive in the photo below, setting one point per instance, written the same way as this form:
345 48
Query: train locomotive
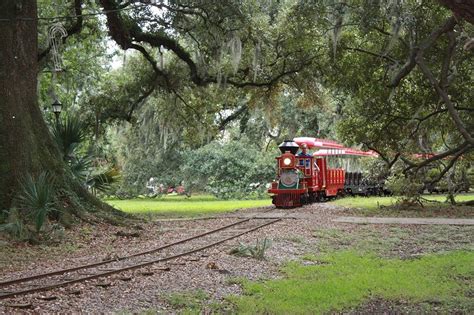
305 178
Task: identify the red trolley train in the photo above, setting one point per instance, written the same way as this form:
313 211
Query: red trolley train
304 178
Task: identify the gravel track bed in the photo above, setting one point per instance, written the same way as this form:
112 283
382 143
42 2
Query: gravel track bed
211 270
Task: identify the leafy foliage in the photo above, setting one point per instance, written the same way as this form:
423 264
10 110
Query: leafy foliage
102 180
407 186
228 170
264 71
70 135
393 115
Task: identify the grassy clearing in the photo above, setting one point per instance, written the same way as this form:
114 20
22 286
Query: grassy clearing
395 241
344 280
181 206
422 269
387 206
375 202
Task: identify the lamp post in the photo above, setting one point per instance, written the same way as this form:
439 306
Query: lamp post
57 106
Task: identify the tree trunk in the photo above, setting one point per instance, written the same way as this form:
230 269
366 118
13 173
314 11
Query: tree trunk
26 145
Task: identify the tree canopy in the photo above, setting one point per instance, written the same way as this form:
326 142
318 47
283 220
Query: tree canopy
382 72
393 76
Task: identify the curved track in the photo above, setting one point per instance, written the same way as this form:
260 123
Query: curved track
184 247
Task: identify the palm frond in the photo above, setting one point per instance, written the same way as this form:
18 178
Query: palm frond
102 181
68 134
80 167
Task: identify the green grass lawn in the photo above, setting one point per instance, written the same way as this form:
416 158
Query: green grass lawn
181 206
387 206
375 202
345 280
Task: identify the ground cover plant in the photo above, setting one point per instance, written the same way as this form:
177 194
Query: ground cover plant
344 280
256 251
181 206
433 205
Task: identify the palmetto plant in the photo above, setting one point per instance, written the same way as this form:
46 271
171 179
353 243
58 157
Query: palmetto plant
37 197
101 181
69 135
80 167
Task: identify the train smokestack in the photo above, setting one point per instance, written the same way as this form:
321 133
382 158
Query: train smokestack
288 145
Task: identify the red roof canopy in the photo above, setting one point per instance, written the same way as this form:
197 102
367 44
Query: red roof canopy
327 147
345 152
318 143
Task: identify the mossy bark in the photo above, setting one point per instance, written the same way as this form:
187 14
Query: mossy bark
26 145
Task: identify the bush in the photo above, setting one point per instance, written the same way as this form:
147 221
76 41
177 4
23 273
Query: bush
14 225
236 169
407 186
37 198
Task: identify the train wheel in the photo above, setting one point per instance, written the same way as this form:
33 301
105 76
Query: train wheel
322 197
305 198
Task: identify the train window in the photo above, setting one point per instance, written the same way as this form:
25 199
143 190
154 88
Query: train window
301 162
308 163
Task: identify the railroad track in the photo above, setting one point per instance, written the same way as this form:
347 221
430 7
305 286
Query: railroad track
188 246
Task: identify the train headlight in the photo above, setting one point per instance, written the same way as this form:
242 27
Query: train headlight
287 161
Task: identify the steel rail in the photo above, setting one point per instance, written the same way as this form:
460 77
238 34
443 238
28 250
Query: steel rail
96 264
139 265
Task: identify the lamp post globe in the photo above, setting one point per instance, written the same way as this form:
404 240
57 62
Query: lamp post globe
57 107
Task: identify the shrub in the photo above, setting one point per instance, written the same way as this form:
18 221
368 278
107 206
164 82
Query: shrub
14 226
236 169
37 198
256 251
69 134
